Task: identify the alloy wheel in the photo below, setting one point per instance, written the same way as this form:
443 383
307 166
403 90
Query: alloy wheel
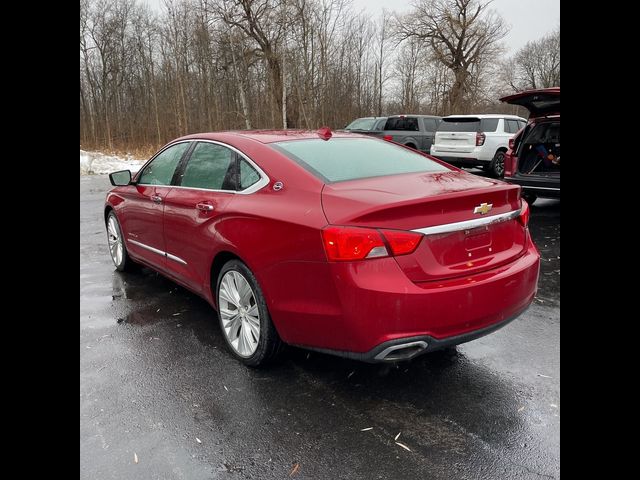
239 313
115 241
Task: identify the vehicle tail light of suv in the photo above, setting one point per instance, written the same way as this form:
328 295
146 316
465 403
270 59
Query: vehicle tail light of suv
357 243
480 138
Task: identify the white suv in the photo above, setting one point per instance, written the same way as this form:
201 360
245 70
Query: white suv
476 140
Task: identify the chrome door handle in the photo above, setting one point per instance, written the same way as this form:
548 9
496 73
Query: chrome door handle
156 198
204 207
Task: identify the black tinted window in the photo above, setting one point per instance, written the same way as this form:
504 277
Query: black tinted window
160 170
208 167
342 159
402 123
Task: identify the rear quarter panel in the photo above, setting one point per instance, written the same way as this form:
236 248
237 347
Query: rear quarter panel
277 234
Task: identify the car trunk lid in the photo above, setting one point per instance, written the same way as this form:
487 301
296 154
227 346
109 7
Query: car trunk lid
426 202
540 102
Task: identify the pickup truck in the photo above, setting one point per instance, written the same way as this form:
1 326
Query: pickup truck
415 131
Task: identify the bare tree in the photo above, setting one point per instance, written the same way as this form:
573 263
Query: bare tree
536 65
261 21
382 36
460 33
202 65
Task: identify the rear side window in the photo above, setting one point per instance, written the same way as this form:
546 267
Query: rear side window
248 175
208 167
430 124
402 123
511 126
341 159
489 124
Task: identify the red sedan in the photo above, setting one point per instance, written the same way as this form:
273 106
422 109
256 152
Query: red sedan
339 243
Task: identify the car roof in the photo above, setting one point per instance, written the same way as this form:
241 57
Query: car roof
486 115
413 115
266 136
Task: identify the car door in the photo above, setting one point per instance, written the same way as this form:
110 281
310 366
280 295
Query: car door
205 185
145 204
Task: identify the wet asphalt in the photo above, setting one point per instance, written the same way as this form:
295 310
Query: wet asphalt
157 386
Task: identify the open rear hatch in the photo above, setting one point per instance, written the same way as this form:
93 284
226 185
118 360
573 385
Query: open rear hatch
540 102
418 201
538 150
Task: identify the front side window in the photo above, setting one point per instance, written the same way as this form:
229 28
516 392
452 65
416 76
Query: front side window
209 167
160 170
341 159
380 124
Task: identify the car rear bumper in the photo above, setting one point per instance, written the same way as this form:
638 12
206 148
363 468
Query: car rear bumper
547 187
477 156
410 347
360 309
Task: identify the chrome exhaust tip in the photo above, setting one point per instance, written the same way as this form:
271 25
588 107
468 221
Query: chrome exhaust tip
403 351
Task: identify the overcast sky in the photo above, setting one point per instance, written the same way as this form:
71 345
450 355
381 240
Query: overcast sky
528 19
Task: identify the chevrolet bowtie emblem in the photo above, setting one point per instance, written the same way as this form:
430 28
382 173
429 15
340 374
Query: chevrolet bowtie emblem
483 208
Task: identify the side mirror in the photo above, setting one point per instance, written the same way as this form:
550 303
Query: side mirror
121 178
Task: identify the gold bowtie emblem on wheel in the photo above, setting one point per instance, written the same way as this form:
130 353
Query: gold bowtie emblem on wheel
483 208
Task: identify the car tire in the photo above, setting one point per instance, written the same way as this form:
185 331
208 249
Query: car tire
496 167
243 316
117 246
529 197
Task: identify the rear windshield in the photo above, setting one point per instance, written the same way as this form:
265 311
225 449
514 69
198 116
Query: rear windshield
361 124
462 124
341 159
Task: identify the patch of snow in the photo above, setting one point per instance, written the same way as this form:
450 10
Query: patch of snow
96 163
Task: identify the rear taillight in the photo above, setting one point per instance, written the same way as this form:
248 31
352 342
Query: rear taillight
352 243
388 138
480 138
357 243
523 218
402 243
511 142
